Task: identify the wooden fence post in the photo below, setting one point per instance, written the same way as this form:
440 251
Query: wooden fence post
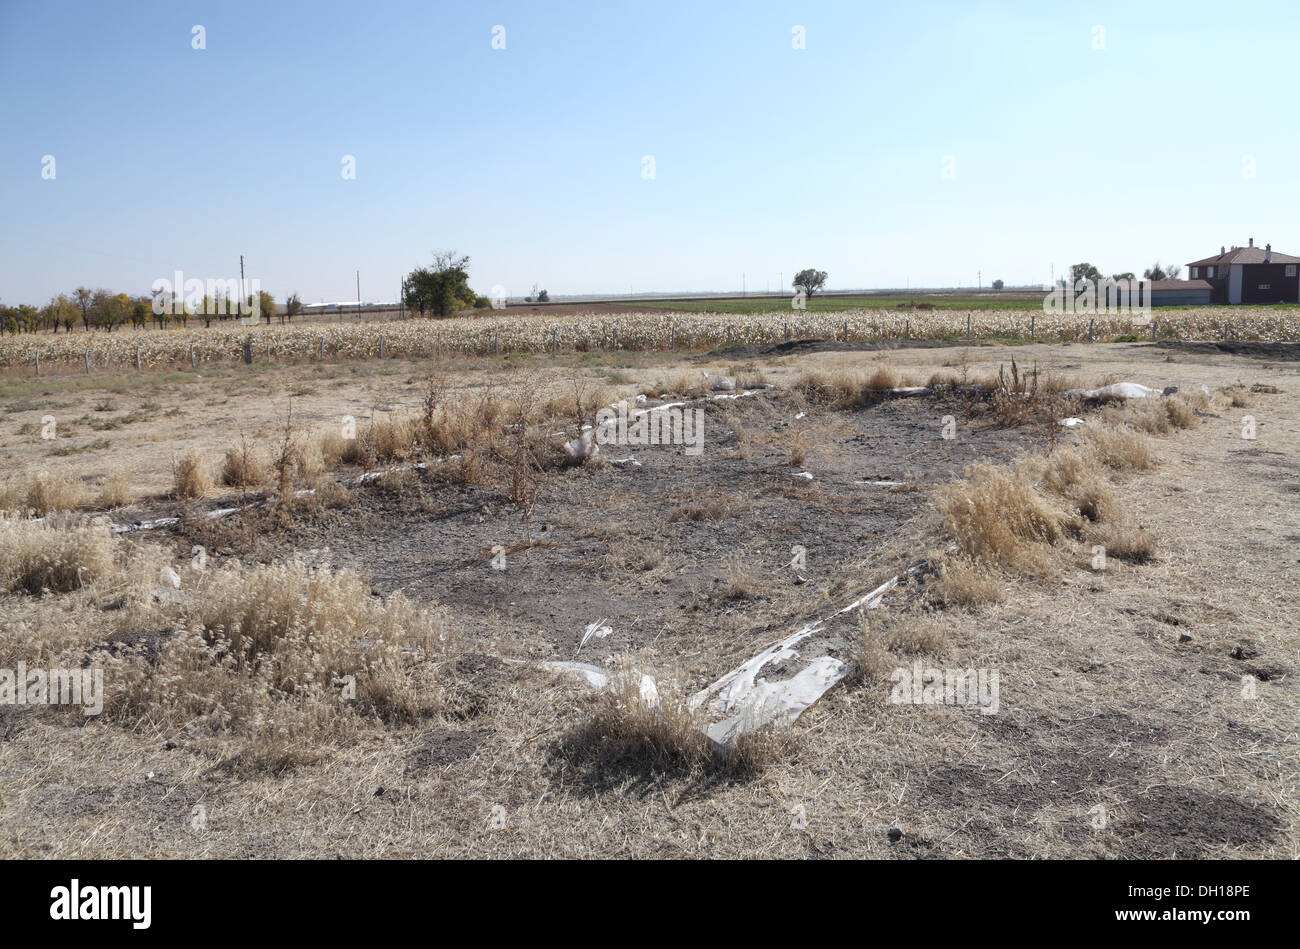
968 326
87 362
381 345
191 355
38 362
137 359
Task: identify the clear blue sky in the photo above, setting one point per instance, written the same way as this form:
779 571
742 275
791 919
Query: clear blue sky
529 159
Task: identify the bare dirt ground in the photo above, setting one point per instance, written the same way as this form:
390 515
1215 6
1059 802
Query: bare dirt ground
1124 729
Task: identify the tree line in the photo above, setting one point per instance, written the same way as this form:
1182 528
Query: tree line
102 309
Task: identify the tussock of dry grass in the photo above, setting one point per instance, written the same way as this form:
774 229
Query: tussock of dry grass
846 389
962 582
1155 416
628 731
48 493
115 492
58 555
190 477
286 656
997 515
1129 544
243 467
741 583
1121 448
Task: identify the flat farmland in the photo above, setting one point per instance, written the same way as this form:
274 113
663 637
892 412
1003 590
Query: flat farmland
397 633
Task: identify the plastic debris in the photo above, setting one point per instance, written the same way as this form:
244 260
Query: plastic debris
597 629
584 446
1121 390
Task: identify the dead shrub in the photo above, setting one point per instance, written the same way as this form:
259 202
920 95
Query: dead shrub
1155 416
332 447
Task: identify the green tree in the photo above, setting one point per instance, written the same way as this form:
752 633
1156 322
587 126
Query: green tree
292 306
440 289
811 280
1084 271
998 284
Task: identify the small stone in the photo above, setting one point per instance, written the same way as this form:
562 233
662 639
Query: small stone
380 792
169 746
1184 637
895 835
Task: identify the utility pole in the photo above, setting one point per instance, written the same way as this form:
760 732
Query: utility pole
742 283
979 279
358 294
243 300
782 276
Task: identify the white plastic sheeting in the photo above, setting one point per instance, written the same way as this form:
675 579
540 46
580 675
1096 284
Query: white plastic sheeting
1118 390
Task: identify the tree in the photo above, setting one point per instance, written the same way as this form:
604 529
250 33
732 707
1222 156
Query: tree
1156 272
292 306
998 285
811 280
1084 271
1126 275
442 288
141 310
543 297
82 296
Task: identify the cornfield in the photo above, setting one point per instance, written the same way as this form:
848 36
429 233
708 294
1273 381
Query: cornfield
655 331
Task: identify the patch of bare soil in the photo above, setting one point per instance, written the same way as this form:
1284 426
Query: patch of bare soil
802 347
677 553
1276 352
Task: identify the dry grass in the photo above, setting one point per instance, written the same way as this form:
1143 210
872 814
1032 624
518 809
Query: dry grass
962 582
632 729
1120 448
997 515
741 583
49 493
243 467
848 389
115 492
1130 544
288 657
57 555
800 440
1155 416
190 477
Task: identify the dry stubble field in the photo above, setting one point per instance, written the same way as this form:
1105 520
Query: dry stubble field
1147 709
